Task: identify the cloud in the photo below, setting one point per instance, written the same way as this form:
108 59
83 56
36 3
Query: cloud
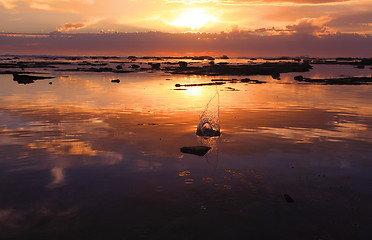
154 43
278 2
354 21
312 26
70 26
307 1
9 4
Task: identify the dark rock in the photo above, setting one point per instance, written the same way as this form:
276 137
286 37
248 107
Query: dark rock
298 78
243 70
198 84
119 67
182 64
27 79
337 81
115 80
196 150
247 80
288 198
135 66
155 65
50 83
276 75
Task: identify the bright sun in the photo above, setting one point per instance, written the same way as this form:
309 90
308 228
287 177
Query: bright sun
193 18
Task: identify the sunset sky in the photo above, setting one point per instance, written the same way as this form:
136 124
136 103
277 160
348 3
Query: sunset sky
260 17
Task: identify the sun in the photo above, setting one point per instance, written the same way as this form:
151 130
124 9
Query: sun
193 18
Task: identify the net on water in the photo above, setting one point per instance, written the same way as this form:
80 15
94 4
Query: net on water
209 120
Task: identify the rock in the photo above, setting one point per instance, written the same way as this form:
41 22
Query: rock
196 150
276 75
337 81
135 66
115 80
182 64
198 84
288 198
26 79
155 65
50 83
299 78
248 80
119 67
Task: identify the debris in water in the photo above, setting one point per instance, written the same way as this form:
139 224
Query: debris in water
196 150
209 120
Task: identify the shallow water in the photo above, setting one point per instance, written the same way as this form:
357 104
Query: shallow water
84 158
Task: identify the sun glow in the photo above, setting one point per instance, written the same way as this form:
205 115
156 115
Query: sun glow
193 18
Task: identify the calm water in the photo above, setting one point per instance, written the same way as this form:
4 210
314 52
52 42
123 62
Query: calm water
84 158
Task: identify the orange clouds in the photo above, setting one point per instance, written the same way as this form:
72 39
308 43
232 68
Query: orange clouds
309 25
70 26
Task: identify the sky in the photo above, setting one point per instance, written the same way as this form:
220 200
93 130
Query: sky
269 19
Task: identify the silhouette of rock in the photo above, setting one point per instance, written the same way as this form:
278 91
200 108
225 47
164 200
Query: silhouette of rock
273 69
298 78
198 84
27 79
248 80
155 65
336 81
135 66
196 150
276 75
119 67
115 80
182 64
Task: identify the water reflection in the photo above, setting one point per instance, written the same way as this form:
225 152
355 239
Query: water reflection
85 153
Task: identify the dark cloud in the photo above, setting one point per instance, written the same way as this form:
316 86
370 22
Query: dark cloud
155 43
353 21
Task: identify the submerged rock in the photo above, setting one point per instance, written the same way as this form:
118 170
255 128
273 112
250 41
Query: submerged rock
196 150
